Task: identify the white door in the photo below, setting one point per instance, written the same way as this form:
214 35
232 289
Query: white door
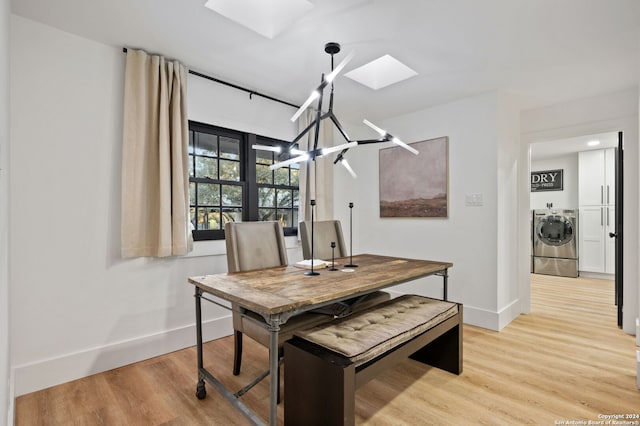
610 243
591 178
591 254
610 176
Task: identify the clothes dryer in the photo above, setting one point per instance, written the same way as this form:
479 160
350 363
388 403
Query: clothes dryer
555 242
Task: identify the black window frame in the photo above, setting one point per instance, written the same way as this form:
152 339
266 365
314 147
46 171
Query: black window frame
263 140
248 182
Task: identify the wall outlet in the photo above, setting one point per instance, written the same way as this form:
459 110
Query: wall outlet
473 200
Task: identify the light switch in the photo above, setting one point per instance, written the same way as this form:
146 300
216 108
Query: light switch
473 200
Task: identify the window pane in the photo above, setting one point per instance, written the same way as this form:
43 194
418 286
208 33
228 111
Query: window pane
296 199
295 177
263 174
207 167
208 218
295 218
191 171
284 217
230 170
231 195
192 216
284 198
229 148
192 194
264 157
208 194
207 144
191 148
281 176
266 197
231 215
266 214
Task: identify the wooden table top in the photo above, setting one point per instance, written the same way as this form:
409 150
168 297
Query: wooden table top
287 289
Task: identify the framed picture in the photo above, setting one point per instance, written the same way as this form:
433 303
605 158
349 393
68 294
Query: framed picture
415 185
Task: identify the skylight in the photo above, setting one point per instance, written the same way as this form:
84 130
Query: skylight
266 17
381 72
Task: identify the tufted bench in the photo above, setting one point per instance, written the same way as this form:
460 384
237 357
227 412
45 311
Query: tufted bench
326 364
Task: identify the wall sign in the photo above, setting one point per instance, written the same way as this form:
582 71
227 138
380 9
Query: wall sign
547 180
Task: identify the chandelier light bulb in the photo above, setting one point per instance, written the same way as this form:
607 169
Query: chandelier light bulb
383 133
312 97
333 74
267 148
404 145
336 148
347 166
298 159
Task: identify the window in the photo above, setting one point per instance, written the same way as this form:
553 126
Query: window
229 181
278 195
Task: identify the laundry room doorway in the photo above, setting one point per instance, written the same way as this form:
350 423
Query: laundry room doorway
576 209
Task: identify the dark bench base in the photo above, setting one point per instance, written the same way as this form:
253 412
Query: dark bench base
320 385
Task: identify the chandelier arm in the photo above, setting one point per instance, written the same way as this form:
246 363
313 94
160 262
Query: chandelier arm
304 132
340 156
331 93
336 123
317 122
370 141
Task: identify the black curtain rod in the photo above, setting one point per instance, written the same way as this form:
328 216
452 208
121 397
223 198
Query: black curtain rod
235 86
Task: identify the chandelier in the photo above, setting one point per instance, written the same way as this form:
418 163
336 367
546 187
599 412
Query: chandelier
297 155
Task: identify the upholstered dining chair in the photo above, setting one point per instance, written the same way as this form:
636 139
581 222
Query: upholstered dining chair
324 233
258 245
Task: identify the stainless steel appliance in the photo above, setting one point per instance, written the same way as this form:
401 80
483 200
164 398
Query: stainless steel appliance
555 242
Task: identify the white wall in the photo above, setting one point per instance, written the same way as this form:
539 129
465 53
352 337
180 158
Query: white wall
5 389
77 308
508 148
568 197
607 113
468 238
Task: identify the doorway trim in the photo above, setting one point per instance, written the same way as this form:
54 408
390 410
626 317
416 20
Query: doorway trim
627 125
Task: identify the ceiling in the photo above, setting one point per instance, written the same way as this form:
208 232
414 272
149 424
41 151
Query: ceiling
542 51
560 147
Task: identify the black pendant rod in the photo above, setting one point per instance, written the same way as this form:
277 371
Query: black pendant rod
235 86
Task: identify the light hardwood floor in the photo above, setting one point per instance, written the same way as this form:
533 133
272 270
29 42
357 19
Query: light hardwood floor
566 360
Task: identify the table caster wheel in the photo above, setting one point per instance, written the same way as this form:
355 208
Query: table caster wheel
201 392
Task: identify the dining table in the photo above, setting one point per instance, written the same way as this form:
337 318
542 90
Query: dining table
277 294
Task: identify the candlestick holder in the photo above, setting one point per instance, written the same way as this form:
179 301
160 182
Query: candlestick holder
333 257
312 272
351 264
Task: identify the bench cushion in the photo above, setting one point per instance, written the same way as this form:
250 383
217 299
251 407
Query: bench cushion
371 332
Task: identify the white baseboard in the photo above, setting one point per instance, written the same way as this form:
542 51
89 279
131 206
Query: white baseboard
481 317
32 377
489 319
597 275
50 372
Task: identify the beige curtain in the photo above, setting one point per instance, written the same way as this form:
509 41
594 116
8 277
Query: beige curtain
155 181
316 177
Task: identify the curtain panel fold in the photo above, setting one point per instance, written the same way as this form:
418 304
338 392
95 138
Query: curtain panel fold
155 177
316 177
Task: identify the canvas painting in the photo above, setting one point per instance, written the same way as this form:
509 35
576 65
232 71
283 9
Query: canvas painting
415 185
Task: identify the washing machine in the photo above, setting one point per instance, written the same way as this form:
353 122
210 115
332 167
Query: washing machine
555 242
